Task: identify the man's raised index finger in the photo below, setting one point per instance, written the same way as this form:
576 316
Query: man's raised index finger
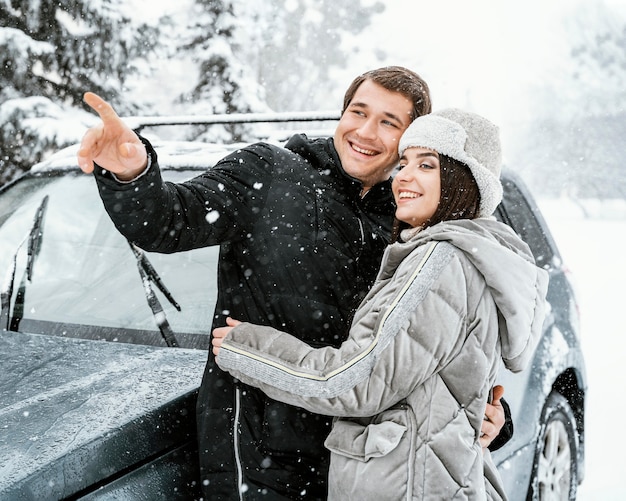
100 106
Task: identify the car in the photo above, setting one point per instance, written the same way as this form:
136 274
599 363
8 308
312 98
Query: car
104 345
546 456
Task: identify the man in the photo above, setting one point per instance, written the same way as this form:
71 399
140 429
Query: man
301 231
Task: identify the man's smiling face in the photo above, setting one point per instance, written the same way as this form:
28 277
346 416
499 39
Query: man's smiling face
367 135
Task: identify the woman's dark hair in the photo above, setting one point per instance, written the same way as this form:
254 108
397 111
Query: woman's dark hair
395 79
460 197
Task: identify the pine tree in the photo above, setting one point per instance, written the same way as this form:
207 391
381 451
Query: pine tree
203 57
294 46
597 97
224 82
598 64
51 52
277 54
579 133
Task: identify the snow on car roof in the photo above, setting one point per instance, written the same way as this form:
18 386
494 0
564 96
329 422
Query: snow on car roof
196 154
172 154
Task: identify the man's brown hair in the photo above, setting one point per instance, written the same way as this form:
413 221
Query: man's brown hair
395 79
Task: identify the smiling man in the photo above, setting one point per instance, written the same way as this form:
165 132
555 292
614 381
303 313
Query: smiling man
302 230
366 138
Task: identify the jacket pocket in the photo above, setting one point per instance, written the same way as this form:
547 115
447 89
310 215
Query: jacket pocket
364 442
373 458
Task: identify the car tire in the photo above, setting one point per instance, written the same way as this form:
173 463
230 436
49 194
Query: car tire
555 468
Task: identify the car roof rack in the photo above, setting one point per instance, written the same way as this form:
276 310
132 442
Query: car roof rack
138 123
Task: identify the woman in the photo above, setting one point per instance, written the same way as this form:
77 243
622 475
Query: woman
455 295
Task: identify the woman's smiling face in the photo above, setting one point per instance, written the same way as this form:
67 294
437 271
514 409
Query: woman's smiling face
417 186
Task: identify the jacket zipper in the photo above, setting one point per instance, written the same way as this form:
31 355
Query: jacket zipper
236 442
362 236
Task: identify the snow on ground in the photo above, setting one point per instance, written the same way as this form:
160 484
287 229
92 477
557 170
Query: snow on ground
592 241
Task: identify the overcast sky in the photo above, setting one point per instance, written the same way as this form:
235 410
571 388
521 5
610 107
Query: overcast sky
483 55
479 54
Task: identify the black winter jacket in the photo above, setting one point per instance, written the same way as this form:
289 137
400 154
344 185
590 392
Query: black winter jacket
299 249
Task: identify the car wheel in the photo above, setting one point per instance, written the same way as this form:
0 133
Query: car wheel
555 469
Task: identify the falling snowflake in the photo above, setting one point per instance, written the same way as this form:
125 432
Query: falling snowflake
212 216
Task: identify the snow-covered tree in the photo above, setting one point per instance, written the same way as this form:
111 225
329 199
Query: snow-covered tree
192 57
594 123
580 119
224 82
294 46
598 60
51 52
257 56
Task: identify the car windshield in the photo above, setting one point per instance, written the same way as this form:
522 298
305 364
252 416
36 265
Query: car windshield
85 279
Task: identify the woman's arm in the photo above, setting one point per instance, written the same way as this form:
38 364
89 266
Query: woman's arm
399 338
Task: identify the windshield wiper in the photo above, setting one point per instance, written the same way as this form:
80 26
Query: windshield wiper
34 237
149 275
7 290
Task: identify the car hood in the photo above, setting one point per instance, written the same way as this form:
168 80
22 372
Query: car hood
74 412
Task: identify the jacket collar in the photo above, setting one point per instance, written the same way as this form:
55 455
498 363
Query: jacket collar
321 153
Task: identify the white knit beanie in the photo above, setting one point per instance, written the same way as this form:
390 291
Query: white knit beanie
468 138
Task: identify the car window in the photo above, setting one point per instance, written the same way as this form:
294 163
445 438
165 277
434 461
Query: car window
517 213
85 280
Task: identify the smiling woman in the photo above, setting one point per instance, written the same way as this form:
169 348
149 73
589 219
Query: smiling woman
417 186
455 177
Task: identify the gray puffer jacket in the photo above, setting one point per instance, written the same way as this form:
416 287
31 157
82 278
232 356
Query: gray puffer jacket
411 383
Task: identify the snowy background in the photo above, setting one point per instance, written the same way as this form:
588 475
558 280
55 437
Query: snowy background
508 61
593 249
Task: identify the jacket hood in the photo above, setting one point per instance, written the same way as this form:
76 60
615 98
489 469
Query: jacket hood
505 261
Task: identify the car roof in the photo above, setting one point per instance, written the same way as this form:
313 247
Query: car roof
197 154
200 155
172 155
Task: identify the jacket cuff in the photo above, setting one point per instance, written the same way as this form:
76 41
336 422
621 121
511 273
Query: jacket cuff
506 433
